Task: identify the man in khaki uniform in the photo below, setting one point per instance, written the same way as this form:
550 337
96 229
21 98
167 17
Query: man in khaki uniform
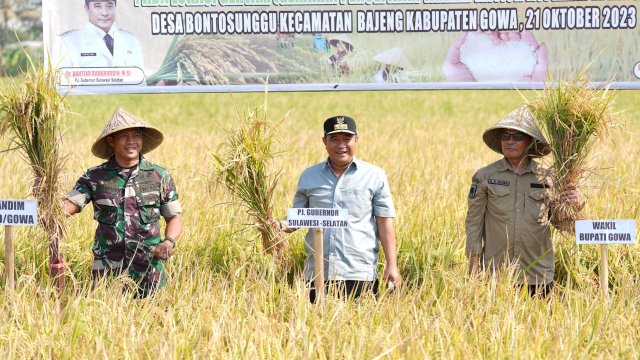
508 215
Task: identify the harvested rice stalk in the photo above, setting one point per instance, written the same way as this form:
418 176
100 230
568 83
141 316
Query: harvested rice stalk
572 116
31 117
241 165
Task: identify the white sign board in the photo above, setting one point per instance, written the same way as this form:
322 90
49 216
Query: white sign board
19 212
606 231
317 218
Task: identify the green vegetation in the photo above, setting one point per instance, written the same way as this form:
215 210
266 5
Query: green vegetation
226 300
20 34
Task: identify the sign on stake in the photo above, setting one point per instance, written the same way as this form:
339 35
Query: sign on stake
318 219
605 232
15 213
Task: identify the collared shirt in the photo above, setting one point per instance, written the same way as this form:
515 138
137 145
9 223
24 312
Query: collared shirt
85 47
350 253
127 204
507 220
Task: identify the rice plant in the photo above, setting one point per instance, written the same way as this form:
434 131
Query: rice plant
31 117
572 115
242 165
221 302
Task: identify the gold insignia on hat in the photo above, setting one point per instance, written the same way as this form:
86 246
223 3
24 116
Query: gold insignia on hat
340 127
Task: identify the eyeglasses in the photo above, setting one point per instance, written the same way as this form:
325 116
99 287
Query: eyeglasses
515 137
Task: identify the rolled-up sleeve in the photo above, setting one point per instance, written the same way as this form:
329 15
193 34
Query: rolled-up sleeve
169 204
82 192
170 209
477 205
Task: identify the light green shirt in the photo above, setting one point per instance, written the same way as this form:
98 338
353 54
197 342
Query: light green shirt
350 253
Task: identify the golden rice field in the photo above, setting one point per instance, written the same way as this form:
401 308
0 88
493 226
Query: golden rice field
225 300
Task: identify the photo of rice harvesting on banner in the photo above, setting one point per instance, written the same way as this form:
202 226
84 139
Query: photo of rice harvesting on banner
279 59
406 224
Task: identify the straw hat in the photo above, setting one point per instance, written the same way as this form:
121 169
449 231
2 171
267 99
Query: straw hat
122 120
520 119
394 57
343 38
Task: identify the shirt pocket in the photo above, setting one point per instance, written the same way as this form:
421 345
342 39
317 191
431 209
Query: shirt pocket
105 204
535 208
359 202
149 207
499 199
105 214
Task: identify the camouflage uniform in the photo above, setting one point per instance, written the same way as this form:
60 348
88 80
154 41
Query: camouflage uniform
128 203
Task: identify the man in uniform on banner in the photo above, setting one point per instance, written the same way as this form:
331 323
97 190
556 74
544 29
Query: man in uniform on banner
99 43
342 181
129 195
508 214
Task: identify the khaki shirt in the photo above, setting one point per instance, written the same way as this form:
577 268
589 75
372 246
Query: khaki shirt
507 220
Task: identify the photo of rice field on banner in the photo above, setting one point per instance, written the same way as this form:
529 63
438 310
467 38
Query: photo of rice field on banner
308 47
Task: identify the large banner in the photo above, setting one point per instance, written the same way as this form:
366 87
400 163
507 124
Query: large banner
149 46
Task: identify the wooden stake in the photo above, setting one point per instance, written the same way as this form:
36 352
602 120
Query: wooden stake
56 267
9 257
604 271
318 259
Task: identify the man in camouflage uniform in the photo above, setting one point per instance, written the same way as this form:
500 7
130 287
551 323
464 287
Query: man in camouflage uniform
129 194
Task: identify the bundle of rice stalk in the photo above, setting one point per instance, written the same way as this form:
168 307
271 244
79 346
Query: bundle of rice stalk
242 166
572 116
31 116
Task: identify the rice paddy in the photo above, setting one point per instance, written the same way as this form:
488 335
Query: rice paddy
225 297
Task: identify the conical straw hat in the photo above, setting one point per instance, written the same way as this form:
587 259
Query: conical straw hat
122 120
394 57
521 119
344 39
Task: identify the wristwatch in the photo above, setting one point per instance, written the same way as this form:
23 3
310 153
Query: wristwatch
171 240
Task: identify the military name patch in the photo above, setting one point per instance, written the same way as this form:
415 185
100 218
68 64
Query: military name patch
539 186
498 182
87 54
105 189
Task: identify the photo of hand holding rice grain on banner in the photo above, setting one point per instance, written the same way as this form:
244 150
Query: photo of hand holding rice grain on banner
97 45
496 56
